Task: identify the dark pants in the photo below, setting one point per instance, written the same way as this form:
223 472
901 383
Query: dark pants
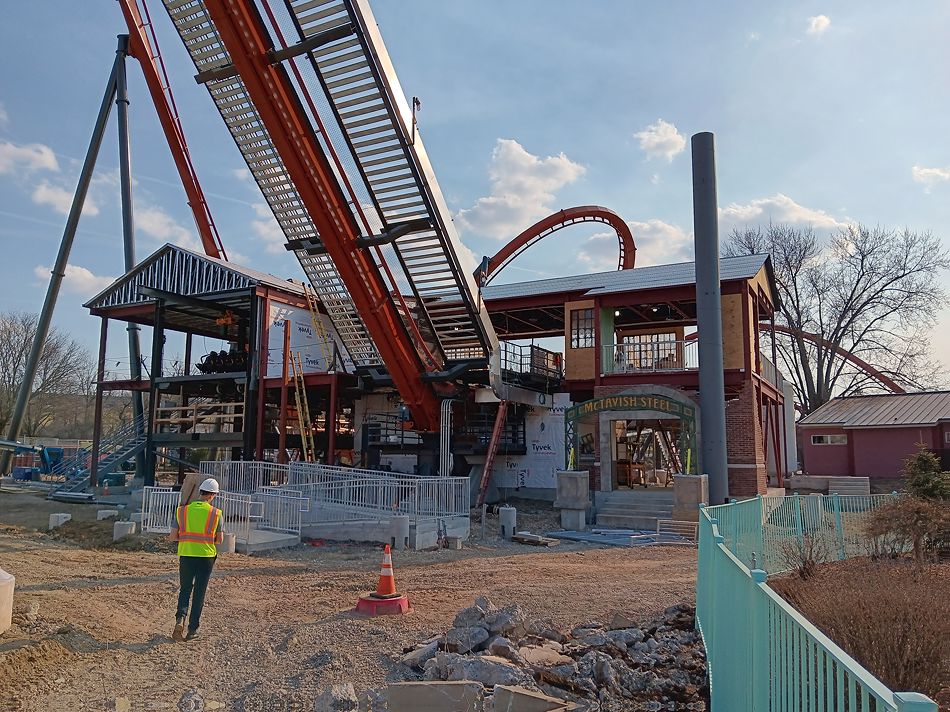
193 573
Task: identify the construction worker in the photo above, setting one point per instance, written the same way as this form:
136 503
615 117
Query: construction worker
197 530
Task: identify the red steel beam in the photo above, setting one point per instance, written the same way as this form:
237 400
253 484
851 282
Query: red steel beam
561 219
245 37
141 48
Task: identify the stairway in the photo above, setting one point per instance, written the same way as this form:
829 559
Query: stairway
120 447
635 509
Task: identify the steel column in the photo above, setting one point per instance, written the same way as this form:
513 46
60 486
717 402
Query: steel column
712 397
128 226
158 348
97 417
331 421
59 268
284 376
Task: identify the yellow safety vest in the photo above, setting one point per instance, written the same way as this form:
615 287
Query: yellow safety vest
197 524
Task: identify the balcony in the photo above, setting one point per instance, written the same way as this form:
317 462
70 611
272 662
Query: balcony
530 366
659 356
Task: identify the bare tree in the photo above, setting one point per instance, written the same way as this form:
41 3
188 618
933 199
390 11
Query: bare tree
64 366
872 292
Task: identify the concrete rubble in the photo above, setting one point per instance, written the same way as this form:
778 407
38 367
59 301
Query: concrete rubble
658 664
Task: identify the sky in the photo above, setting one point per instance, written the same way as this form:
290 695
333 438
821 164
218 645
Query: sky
824 113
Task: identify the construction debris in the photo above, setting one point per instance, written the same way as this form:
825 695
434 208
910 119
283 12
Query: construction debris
657 664
534 539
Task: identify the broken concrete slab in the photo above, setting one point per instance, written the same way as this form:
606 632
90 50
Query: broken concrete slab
338 698
466 640
517 699
417 658
543 656
436 697
106 514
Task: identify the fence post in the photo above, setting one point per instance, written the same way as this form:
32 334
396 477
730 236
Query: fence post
914 702
761 662
799 528
839 528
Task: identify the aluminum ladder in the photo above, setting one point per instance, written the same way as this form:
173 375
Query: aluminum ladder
303 410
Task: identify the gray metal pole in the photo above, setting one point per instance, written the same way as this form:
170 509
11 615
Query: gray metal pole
712 399
59 269
128 227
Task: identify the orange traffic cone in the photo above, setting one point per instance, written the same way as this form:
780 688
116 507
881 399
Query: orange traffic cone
105 488
385 600
386 588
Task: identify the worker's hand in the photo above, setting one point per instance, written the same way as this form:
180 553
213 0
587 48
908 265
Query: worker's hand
219 538
173 536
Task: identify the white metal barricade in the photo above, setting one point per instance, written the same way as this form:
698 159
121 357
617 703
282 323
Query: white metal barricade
158 509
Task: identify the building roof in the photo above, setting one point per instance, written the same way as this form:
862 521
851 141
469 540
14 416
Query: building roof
893 410
630 280
179 271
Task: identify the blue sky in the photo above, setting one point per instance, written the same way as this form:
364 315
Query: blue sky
823 112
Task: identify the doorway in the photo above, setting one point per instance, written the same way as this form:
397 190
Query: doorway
645 452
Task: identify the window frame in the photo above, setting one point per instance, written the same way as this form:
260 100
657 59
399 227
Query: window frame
832 439
582 334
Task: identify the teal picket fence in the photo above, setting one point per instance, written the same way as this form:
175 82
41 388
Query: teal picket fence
763 655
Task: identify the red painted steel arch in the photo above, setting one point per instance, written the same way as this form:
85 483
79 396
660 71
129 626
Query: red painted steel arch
561 219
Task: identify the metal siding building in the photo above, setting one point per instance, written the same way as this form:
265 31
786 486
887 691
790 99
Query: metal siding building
872 436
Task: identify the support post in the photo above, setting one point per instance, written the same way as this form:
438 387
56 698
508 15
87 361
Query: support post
59 269
914 702
251 394
709 318
158 348
760 659
331 421
128 226
97 416
839 526
284 382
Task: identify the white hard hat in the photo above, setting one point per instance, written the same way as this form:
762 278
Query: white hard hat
209 486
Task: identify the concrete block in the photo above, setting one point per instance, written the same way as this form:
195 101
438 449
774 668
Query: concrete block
58 520
120 530
453 542
106 514
399 532
573 489
7 583
690 491
338 698
573 520
458 526
137 517
229 545
508 518
424 535
374 530
436 697
518 699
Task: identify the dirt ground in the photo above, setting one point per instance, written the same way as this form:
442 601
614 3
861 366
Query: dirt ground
92 625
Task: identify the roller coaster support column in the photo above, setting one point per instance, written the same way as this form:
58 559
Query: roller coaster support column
712 399
59 268
128 226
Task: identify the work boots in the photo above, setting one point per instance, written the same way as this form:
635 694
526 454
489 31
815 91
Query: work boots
178 634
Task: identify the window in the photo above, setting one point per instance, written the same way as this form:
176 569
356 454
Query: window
829 439
582 329
651 351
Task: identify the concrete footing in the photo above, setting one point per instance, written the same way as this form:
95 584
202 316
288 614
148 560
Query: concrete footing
573 520
508 518
399 533
120 530
7 584
435 697
106 514
229 545
58 520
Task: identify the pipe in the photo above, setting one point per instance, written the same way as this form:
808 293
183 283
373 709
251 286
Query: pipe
712 397
128 228
59 268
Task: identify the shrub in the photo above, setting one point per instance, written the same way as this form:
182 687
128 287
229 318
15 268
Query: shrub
883 615
924 477
803 555
909 522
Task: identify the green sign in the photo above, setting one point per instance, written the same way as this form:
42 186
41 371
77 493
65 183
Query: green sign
661 404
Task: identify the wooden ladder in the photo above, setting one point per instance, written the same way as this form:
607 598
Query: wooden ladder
319 330
496 433
303 409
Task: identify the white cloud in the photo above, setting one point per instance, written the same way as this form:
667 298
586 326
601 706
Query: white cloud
159 225
929 177
777 209
28 157
754 37
77 280
61 199
4 116
657 242
242 174
661 140
818 25
267 229
523 188
655 179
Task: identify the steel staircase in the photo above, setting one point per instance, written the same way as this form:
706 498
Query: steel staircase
122 445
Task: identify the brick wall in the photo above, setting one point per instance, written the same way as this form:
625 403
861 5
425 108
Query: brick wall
745 445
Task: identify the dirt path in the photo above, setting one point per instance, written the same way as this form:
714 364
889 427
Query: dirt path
92 627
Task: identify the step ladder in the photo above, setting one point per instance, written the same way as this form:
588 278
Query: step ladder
496 433
303 409
671 452
329 354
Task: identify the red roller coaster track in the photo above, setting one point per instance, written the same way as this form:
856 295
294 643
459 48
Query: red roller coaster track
561 219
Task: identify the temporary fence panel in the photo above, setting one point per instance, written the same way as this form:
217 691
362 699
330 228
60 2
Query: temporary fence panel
237 509
245 476
158 509
763 655
280 509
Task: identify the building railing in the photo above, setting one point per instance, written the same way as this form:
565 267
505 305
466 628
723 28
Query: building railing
187 418
650 357
763 655
244 475
532 361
